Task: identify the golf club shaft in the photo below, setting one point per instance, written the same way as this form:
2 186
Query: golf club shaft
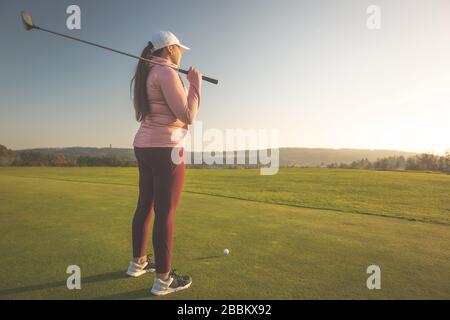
122 52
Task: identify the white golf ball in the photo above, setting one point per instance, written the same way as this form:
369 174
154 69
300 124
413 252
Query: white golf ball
226 252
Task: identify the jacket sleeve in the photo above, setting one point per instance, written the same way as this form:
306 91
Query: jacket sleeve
184 107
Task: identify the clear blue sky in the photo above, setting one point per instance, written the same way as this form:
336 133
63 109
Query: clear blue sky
309 68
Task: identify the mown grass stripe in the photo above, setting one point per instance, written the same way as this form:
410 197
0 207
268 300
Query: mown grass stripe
376 214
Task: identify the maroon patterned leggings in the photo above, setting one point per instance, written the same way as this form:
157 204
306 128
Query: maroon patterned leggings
160 184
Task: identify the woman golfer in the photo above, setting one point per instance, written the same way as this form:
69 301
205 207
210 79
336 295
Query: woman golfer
164 108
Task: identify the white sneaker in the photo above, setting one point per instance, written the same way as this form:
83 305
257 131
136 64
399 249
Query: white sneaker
175 283
136 269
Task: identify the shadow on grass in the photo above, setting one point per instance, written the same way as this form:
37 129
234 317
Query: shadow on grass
133 295
208 257
56 284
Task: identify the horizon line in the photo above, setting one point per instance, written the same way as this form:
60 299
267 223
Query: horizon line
279 148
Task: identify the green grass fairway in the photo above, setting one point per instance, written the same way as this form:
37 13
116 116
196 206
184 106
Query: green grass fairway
302 234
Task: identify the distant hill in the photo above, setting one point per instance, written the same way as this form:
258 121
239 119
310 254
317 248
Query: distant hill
307 157
74 152
317 156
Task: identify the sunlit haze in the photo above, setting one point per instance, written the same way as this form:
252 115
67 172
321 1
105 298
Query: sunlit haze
312 69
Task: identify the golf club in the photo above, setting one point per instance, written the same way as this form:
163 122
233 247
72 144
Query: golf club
28 24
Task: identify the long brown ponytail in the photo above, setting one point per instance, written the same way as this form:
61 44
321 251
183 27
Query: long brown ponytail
140 98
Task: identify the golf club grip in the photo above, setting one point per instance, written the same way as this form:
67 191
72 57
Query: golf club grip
214 81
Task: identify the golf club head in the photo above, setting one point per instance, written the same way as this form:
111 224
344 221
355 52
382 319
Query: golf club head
26 20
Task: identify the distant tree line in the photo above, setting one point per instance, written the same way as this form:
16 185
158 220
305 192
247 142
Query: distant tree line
36 158
422 162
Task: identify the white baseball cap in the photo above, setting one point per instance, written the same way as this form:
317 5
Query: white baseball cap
163 39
